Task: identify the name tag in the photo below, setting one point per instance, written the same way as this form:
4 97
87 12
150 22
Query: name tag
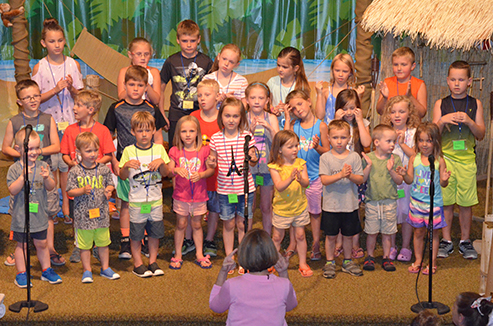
459 145
62 125
259 180
188 105
33 207
401 193
145 209
232 198
93 213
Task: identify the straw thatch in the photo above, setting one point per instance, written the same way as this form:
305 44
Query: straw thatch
455 24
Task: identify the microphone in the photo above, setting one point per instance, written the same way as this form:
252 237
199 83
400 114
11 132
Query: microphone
28 129
247 144
431 158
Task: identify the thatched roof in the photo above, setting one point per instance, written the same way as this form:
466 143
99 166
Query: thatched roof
456 24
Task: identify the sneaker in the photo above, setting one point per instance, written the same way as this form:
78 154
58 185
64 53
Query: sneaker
50 276
144 249
369 264
87 277
155 270
388 265
75 256
141 271
21 280
467 250
352 269
95 253
393 253
445 249
188 246
329 270
210 248
125 249
10 261
109 274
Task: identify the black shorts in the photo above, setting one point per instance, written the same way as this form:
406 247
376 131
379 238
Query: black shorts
21 236
348 223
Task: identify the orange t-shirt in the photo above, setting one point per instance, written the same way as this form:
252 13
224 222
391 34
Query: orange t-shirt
395 90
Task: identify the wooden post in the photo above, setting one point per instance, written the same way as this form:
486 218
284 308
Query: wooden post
20 43
364 49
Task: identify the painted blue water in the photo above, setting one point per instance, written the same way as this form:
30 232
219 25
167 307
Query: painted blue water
247 66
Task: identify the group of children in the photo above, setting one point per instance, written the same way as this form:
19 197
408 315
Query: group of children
217 123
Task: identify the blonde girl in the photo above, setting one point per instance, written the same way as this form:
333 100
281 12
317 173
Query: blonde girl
140 52
227 147
59 79
341 77
401 114
314 141
188 168
290 177
427 142
291 76
263 126
230 83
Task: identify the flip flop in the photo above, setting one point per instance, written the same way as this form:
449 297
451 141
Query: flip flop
289 253
358 253
67 220
202 262
316 255
178 263
306 272
338 252
414 269
426 271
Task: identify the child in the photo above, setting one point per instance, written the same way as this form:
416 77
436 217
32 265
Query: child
257 298
291 77
118 119
379 169
230 83
472 309
340 173
227 147
28 99
144 164
290 177
263 126
427 142
41 181
402 83
402 116
91 185
207 92
348 108
140 52
188 167
185 70
59 79
341 77
460 119
314 141
87 105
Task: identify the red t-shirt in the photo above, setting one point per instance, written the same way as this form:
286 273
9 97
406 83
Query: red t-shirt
208 129
106 146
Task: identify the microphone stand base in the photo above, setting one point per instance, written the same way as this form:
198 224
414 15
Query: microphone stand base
37 305
440 307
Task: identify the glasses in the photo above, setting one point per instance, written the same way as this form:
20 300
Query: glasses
140 54
31 98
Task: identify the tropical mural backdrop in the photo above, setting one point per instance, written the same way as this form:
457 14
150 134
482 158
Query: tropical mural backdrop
260 27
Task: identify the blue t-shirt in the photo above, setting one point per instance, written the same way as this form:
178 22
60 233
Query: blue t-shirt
307 152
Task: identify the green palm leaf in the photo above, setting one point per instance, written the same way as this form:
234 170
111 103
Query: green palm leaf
289 37
215 13
170 46
105 13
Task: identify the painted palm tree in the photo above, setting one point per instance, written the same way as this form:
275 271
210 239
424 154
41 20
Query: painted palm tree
20 43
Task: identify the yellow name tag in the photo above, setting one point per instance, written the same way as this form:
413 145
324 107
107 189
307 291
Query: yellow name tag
188 105
93 213
62 125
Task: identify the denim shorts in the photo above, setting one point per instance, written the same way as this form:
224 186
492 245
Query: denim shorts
267 179
229 211
213 202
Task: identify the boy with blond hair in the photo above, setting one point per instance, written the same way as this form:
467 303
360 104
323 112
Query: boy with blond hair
185 69
402 83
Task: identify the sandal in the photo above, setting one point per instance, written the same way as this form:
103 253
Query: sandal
241 271
231 272
338 252
414 269
426 271
358 253
67 220
305 272
175 263
10 261
204 262
57 260
289 253
55 220
405 255
316 255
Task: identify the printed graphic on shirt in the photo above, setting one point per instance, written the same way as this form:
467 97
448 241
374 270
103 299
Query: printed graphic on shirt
306 144
185 81
192 165
259 136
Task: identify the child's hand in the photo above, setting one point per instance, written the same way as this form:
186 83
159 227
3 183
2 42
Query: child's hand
287 109
154 165
346 171
358 114
45 172
450 118
282 264
132 164
360 90
384 90
462 117
319 87
61 85
367 159
294 174
401 170
339 115
210 162
315 141
276 110
221 97
87 189
390 162
400 136
182 172
70 81
195 177
228 262
108 191
253 154
446 175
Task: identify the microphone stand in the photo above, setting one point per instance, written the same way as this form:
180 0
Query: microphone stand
37 305
246 187
440 307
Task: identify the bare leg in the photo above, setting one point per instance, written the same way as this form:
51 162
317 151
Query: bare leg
20 263
85 258
229 235
212 222
347 245
465 218
240 225
407 232
356 244
63 186
181 225
188 231
198 235
42 253
436 243
448 213
330 245
277 236
386 245
124 216
301 246
153 244
266 194
50 236
419 235
371 240
104 255
315 220
292 240
135 247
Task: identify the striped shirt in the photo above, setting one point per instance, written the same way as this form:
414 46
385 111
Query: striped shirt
232 184
237 85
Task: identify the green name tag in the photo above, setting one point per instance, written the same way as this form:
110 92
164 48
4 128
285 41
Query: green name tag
145 209
401 193
259 180
33 207
459 145
232 198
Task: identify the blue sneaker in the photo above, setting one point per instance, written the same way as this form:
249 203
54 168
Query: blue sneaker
21 280
87 277
50 276
109 274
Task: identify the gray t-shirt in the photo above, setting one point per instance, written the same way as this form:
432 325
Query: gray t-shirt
99 178
380 183
340 196
38 221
